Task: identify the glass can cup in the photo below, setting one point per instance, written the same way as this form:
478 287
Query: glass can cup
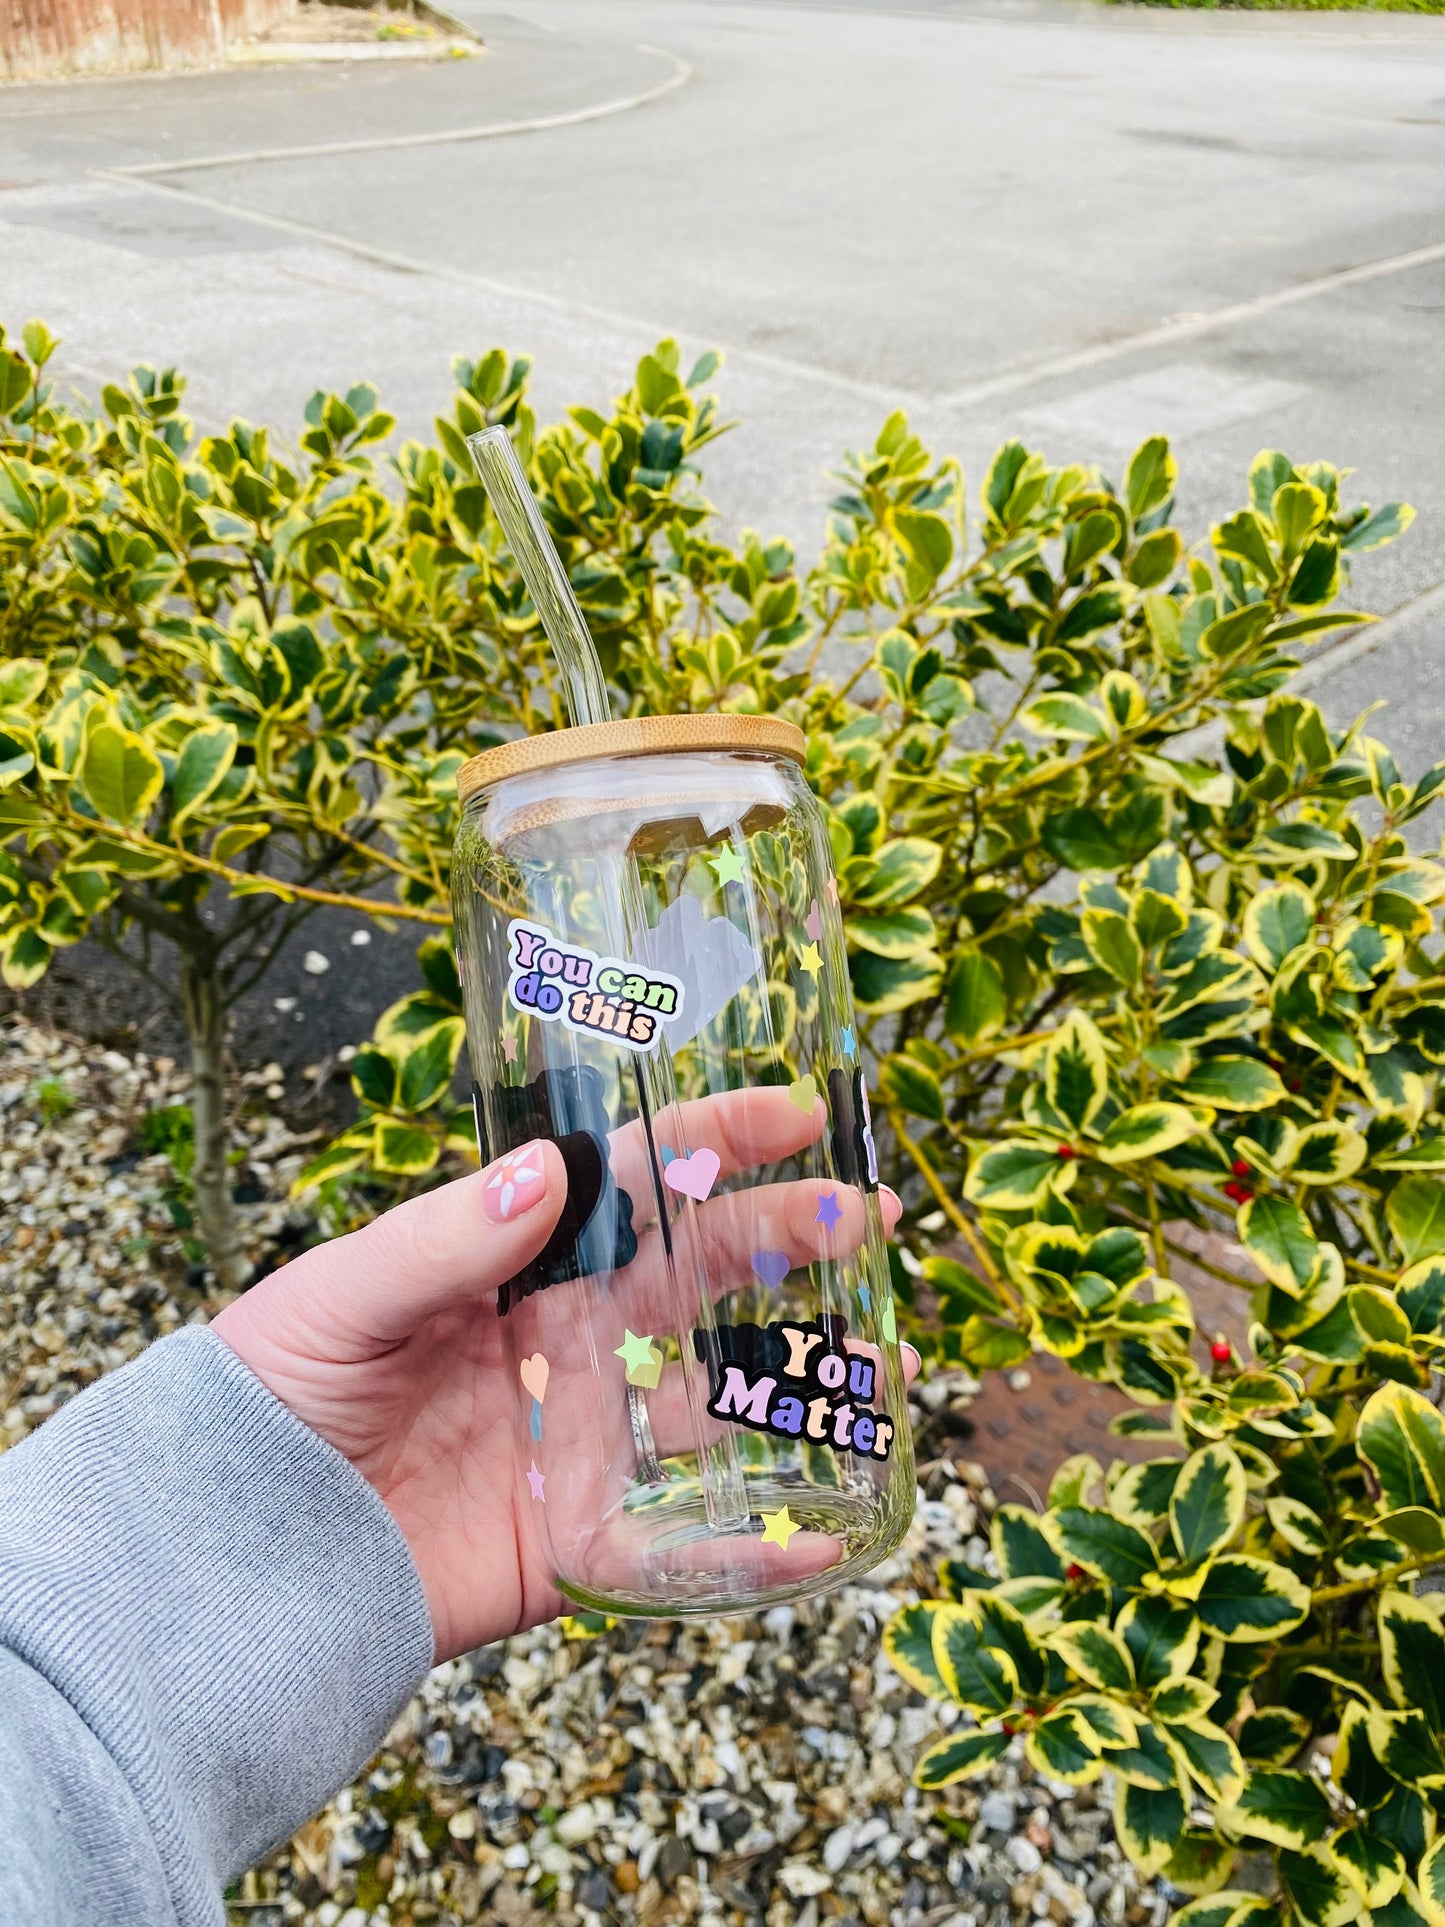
710 1409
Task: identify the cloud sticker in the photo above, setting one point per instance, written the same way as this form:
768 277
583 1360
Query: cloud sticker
709 956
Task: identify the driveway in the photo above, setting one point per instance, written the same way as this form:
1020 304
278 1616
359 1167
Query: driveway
1073 224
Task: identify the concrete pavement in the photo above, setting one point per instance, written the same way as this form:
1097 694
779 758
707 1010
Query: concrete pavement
1072 224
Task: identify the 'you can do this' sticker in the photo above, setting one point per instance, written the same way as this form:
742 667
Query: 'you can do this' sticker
595 996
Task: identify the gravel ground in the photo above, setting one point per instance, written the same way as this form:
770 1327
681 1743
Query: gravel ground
752 1772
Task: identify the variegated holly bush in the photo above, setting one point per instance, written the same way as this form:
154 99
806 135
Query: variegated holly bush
1230 1627
1141 947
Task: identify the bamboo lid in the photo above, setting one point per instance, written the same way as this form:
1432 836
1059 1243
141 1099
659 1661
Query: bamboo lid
635 736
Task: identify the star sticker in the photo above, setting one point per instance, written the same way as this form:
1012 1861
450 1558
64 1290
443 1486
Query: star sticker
642 1359
865 1298
509 1047
829 1210
811 960
830 889
729 865
779 1527
850 1047
537 1480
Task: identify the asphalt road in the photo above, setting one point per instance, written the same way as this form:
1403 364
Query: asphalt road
1076 224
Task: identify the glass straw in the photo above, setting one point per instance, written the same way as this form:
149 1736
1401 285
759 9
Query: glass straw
536 556
585 692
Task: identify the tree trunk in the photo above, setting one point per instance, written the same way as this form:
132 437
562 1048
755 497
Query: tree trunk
205 1018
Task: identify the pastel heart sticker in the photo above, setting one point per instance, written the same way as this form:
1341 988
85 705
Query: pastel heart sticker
535 1372
813 922
694 1176
804 1092
772 1267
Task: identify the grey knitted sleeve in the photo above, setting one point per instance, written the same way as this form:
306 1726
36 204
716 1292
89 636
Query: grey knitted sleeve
208 1621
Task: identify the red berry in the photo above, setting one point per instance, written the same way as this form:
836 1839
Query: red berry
1065 1151
1240 1193
1220 1351
1240 1168
1074 1572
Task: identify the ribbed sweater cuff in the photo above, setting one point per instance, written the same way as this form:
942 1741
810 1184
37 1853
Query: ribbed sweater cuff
220 1596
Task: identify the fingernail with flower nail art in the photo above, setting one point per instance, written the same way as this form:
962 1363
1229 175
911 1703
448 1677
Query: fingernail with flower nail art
518 1181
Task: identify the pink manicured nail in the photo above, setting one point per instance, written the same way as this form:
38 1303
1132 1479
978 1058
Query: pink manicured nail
518 1181
912 1360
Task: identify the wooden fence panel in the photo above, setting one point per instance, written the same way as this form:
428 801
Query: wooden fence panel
40 37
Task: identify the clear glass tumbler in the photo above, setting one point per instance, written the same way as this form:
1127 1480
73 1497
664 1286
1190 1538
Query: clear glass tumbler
710 1408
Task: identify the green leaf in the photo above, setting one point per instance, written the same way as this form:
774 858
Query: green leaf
986 1345
1021 1547
1233 1084
1212 1755
1287 1809
1425 1154
373 1078
1317 1889
1280 1241
1207 1508
1299 842
1420 1294
959 1288
1277 921
204 760
404 1150
1387 521
1063 1746
1298 1525
1113 945
959 1757
1373 1867
1431 1883
120 775
912 1087
1148 1822
1144 1131
1235 632
1096 1653
927 539
1081 840
1011 1176
426 1071
1142 1494
976 1674
1150 477
343 1155
1068 716
902 868
1244 536
1412 1656
1272 1735
976 1004
1326 1153
908 1642
21 680
1076 1070
1416 1211
1244 1598
1162 1637
885 985
1104 1545
905 932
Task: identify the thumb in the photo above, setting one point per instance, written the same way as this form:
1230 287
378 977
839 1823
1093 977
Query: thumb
445 1250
